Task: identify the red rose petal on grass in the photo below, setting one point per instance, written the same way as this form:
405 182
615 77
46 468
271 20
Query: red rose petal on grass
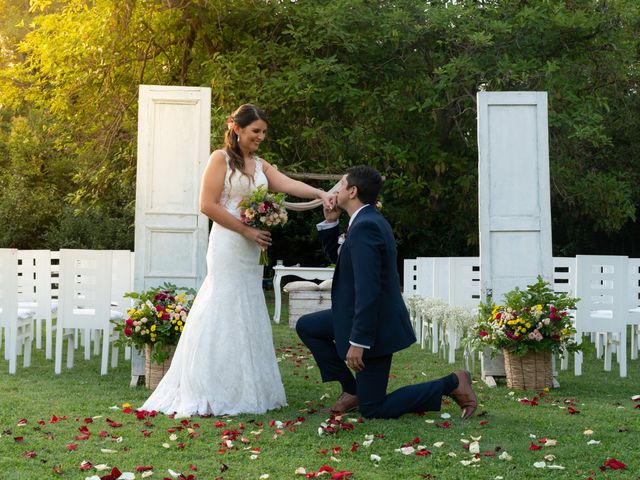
443 425
219 424
86 466
82 437
144 469
104 434
22 422
127 410
336 449
614 464
18 439
572 410
72 446
180 445
325 468
484 422
341 474
422 453
30 454
88 420
193 468
354 447
41 422
533 446
57 469
324 451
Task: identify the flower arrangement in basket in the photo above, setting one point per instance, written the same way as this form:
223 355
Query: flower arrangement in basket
533 320
156 320
264 210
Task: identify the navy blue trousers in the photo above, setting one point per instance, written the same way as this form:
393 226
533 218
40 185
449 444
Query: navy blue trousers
316 331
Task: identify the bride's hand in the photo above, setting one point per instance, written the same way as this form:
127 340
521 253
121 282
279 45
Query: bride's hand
328 200
261 237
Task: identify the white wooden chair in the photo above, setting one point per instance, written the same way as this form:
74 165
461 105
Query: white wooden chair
601 286
15 323
121 283
34 292
84 302
634 305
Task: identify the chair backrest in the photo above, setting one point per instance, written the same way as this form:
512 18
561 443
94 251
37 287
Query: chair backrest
34 281
464 281
121 280
8 287
634 282
564 275
85 288
601 286
410 277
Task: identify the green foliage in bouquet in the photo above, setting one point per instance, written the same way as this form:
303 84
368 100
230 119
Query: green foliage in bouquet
536 319
156 319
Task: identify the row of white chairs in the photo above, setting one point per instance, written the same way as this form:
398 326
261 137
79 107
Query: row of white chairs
608 288
82 290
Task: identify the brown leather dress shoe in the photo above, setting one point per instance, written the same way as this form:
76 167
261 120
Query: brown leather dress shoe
345 403
464 395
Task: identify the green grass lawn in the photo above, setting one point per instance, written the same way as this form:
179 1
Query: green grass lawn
51 424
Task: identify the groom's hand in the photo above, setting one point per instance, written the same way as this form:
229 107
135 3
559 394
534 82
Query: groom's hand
354 358
332 214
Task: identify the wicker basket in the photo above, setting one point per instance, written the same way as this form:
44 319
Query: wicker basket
532 371
153 372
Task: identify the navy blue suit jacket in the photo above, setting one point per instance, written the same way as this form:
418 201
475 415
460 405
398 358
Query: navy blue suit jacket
366 300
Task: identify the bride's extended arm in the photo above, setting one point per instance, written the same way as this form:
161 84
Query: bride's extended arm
279 182
210 194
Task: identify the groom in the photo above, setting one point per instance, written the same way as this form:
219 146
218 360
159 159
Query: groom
368 320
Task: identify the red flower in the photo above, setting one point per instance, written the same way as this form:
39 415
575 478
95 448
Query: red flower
483 333
129 322
127 331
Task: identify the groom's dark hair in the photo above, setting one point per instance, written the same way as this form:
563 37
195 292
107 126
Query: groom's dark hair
368 181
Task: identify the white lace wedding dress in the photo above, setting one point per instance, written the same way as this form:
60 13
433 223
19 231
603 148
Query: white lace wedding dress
225 361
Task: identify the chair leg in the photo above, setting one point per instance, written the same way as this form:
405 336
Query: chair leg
577 357
58 357
38 333
27 346
86 342
105 351
70 349
48 333
634 342
608 341
12 350
621 353
127 353
434 332
115 351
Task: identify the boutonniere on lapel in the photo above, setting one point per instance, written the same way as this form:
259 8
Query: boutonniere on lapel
342 238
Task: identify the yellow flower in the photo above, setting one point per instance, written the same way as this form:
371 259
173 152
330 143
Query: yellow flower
528 325
539 307
180 322
153 328
176 328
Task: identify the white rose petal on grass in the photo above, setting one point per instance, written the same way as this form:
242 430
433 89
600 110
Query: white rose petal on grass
505 456
146 474
367 443
540 464
166 445
173 437
593 442
320 431
635 398
438 444
107 450
93 477
429 421
115 407
474 447
127 476
556 467
264 476
375 458
445 415
101 467
452 454
406 450
551 443
300 471
549 458
588 432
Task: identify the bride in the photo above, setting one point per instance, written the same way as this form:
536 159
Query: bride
225 361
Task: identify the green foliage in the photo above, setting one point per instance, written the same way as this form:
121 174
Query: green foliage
391 84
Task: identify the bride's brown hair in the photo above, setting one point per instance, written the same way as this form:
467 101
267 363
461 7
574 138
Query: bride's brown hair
245 115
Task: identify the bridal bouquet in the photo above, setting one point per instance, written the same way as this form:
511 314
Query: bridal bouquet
264 210
156 319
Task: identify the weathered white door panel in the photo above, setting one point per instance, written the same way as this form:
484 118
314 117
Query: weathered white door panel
514 200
